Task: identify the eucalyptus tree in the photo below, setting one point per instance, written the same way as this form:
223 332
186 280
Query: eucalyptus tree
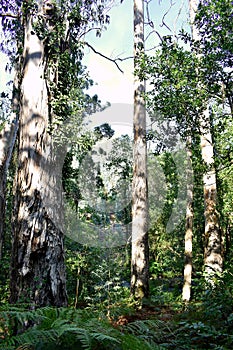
52 80
172 73
185 81
213 21
8 133
140 247
7 141
213 254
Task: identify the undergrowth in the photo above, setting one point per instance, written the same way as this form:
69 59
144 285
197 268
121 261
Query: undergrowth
199 326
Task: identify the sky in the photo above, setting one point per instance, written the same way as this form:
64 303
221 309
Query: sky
4 76
117 42
111 85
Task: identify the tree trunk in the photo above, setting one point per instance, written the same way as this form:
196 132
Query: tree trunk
140 247
7 142
37 271
213 257
188 264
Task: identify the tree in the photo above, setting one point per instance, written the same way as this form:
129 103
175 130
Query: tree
140 247
38 271
52 80
188 249
213 21
7 141
213 259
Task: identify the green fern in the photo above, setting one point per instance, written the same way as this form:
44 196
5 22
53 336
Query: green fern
25 347
69 329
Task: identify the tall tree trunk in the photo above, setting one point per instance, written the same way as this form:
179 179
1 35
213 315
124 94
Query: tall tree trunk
188 251
213 256
140 247
37 271
7 142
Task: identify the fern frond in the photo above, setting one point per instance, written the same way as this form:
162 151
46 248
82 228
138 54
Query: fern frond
84 336
105 338
25 347
129 341
33 337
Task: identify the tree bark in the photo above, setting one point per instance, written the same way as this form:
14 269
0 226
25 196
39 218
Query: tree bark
140 247
7 142
188 263
213 256
37 270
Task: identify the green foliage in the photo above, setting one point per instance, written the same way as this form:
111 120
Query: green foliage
174 75
206 324
69 329
101 284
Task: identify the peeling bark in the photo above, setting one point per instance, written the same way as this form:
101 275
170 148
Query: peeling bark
140 247
37 270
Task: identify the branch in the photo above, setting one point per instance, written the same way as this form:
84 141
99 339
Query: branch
163 23
154 32
123 59
106 57
87 31
150 22
178 15
11 15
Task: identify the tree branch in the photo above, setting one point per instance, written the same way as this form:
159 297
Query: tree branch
106 57
163 19
11 15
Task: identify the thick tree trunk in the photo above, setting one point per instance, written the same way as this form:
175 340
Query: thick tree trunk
37 271
213 256
188 251
140 247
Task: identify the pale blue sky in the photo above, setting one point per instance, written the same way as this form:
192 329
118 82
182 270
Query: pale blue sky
117 41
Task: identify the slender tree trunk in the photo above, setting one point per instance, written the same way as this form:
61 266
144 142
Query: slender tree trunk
188 264
7 142
213 256
140 247
37 271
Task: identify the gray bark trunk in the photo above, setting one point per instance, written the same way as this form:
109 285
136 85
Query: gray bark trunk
37 271
7 142
213 256
188 251
140 247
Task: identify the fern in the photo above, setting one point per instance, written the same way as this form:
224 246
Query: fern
25 347
69 329
152 332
